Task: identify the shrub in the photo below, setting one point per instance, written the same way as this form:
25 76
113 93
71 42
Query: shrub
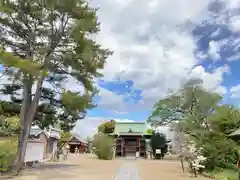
7 155
103 146
219 151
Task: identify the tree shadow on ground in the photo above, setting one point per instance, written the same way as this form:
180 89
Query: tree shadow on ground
52 166
50 170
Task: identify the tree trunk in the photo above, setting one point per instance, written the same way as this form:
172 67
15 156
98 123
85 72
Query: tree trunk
24 125
22 146
27 114
181 160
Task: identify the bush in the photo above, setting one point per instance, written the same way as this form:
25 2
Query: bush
103 146
219 151
7 155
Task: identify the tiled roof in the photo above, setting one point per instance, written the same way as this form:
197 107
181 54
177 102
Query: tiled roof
34 131
78 138
132 127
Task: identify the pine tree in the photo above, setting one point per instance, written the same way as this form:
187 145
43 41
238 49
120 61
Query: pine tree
46 110
50 41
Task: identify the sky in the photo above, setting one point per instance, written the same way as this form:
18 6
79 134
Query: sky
157 44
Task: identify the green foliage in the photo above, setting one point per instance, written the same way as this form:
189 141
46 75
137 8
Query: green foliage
10 60
226 119
7 155
49 42
227 174
219 151
158 141
150 131
107 127
103 146
65 136
10 126
204 121
46 112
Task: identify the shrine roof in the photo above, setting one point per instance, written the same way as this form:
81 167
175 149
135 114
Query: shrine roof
130 127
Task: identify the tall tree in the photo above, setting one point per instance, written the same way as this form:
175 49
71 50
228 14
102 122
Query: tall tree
46 112
158 141
50 41
192 104
198 116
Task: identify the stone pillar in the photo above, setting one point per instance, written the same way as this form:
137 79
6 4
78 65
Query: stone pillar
114 151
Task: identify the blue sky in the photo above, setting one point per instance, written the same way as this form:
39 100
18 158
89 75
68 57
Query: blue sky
157 45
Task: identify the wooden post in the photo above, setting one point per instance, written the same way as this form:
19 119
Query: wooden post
121 147
139 147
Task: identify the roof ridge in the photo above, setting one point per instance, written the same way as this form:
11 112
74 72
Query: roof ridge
131 122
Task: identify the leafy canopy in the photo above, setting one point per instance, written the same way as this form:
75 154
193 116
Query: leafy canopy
9 126
44 44
158 141
200 116
103 146
49 41
107 127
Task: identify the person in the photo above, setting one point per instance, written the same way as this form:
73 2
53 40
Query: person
76 150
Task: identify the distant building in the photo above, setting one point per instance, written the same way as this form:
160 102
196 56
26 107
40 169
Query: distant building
131 137
76 142
49 137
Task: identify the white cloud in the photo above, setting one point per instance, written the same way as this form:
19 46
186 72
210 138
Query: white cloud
108 98
233 4
214 50
212 81
153 47
235 92
235 23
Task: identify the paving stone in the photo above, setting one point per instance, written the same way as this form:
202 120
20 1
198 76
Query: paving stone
128 171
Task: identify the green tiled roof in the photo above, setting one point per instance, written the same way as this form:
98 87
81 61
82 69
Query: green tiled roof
134 127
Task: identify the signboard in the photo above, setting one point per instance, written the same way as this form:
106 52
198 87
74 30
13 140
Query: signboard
158 151
34 151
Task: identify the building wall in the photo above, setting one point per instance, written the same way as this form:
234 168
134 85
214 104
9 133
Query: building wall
81 148
129 145
43 138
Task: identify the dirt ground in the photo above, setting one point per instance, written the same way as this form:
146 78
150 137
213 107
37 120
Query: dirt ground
163 169
76 167
88 167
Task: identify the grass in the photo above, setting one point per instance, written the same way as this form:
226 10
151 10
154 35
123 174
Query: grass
224 174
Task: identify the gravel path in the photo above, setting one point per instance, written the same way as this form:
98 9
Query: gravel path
128 171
